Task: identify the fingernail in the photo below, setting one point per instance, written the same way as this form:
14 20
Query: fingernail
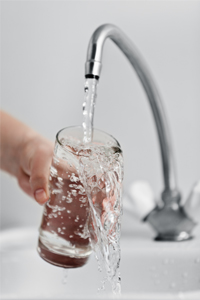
40 196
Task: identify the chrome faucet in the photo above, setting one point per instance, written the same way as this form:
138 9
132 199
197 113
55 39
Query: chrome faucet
170 220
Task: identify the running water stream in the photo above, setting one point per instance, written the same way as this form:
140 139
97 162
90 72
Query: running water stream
101 172
88 108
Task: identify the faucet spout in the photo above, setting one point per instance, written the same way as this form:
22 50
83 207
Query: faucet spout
93 69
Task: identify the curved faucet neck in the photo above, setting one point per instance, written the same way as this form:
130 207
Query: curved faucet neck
93 69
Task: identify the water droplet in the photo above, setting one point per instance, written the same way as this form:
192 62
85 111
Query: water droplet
84 127
71 236
84 105
86 89
99 268
68 211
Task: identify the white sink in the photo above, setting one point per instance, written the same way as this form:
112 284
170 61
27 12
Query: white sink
150 270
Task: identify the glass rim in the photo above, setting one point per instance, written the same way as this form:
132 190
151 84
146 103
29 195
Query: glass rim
80 127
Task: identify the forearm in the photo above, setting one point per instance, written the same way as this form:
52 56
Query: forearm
14 134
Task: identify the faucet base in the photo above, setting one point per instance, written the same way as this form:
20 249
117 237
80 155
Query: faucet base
171 223
182 236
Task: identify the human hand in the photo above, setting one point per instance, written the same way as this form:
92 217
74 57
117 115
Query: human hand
26 155
35 157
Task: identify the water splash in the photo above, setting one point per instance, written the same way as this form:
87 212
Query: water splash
101 174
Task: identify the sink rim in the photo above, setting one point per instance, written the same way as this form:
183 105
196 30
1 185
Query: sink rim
6 237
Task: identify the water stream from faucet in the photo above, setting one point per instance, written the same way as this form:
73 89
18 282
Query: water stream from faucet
102 175
88 108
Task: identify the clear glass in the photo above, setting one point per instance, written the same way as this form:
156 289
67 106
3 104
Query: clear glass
63 236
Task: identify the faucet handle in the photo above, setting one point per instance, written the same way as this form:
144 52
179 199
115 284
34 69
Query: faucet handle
171 221
192 204
141 199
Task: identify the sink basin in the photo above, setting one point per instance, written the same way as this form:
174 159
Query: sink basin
149 269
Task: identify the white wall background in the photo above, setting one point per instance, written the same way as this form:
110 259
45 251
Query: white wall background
43 50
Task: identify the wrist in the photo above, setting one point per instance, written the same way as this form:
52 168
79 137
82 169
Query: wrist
26 148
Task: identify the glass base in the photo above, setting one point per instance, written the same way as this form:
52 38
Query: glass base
62 253
60 260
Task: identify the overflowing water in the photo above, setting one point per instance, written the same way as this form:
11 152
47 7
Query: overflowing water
102 173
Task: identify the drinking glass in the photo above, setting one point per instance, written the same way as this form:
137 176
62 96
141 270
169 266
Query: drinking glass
64 238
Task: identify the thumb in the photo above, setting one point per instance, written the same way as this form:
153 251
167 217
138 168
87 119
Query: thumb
39 177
